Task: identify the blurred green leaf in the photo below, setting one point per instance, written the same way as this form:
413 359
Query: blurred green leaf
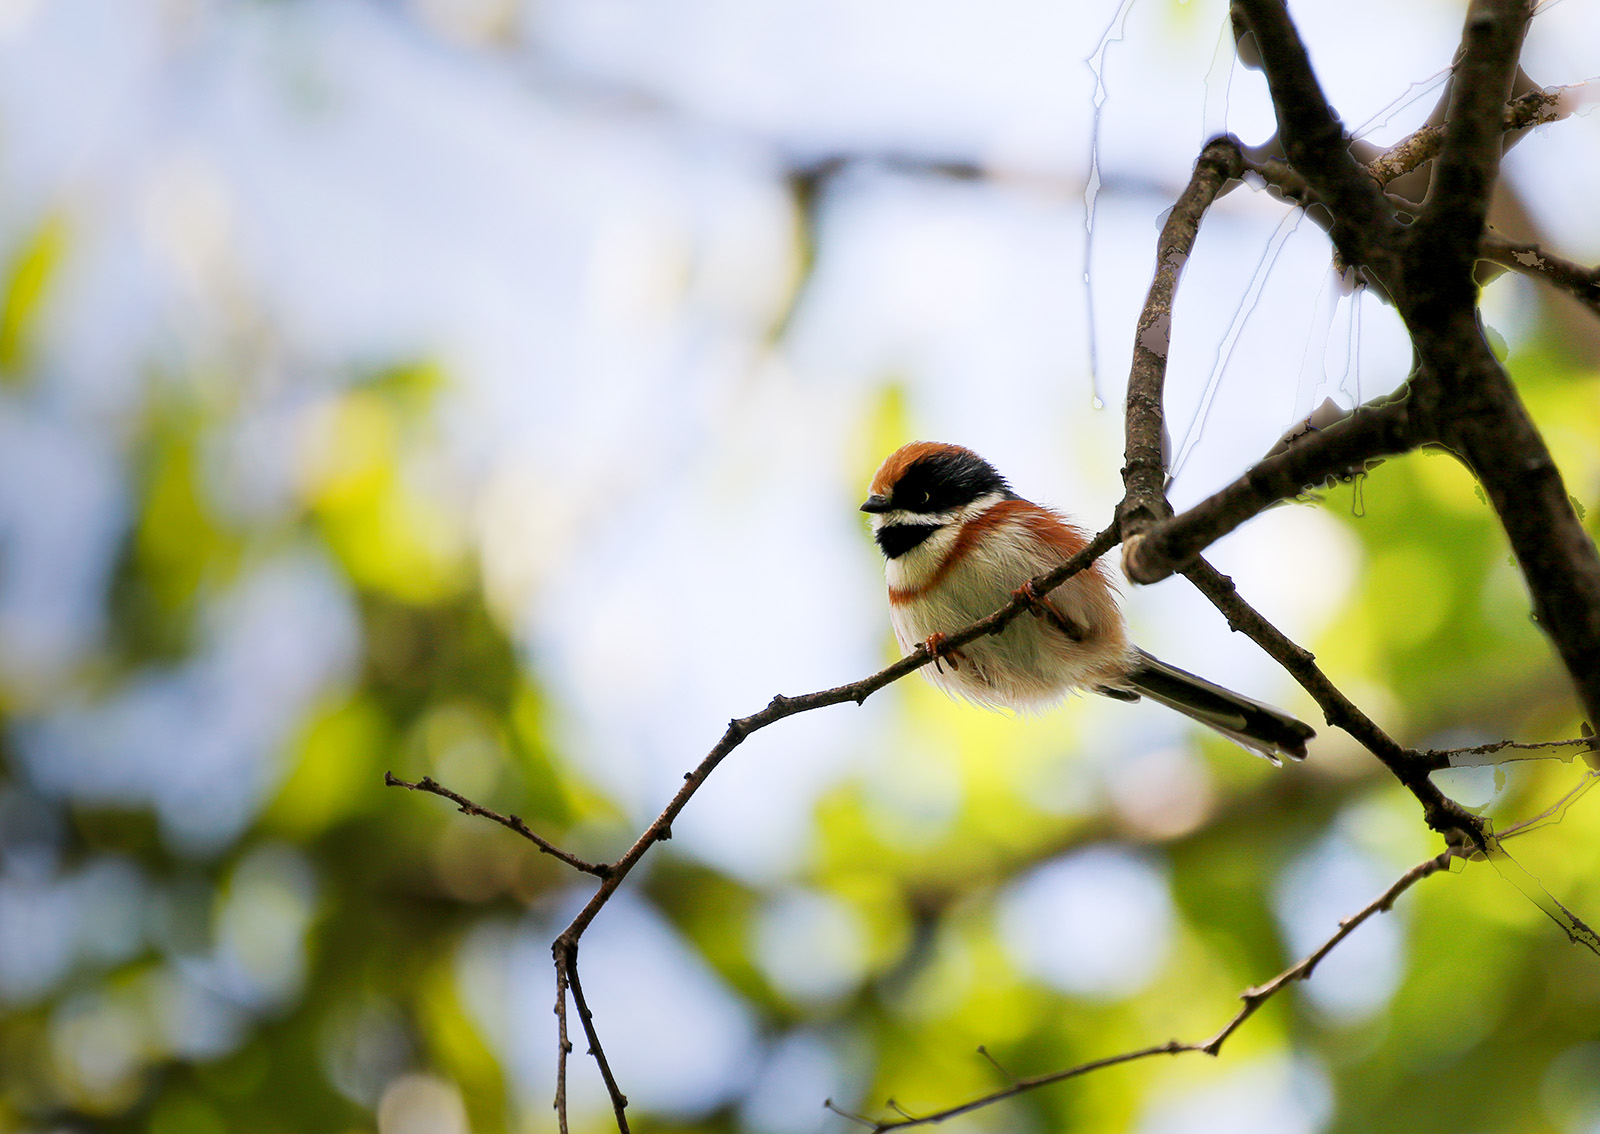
33 267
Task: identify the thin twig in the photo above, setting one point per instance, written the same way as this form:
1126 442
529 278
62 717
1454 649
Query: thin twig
511 822
1253 999
1437 758
1535 108
1302 970
1443 814
565 946
566 956
563 1047
1556 811
781 707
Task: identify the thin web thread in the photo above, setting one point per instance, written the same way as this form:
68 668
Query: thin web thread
1096 63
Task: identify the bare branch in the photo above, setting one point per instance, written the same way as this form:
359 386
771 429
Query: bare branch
1477 415
1144 467
1443 814
1437 758
780 707
563 1047
1583 284
511 822
1444 239
566 956
1364 227
1253 999
1535 108
1375 430
565 947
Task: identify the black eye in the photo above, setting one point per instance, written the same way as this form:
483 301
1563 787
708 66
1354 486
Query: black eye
922 498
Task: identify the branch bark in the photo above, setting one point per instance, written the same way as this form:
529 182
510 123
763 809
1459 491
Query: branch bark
1343 449
565 947
1582 283
1364 227
1144 470
511 822
1253 999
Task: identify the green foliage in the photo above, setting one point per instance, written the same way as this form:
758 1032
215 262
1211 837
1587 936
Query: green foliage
33 267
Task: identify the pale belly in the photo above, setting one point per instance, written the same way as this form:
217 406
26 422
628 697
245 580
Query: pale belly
1029 665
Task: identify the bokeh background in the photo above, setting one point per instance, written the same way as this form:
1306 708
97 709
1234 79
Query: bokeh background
485 389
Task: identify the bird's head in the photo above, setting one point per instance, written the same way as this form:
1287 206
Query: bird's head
925 486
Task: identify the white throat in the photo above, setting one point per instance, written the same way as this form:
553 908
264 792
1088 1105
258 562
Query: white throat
917 566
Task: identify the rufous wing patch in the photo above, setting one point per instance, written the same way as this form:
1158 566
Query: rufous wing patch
966 539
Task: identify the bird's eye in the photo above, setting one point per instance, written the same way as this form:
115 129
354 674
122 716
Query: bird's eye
923 497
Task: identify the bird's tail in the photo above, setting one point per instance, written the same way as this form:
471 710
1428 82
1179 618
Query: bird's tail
1261 728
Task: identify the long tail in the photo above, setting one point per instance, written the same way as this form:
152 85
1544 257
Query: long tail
1261 728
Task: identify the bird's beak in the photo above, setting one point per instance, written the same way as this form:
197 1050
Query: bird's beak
876 503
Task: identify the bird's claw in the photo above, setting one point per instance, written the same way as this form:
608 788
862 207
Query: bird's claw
940 652
1042 607
1031 598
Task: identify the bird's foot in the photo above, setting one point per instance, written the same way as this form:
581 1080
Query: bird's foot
1042 607
941 652
1035 602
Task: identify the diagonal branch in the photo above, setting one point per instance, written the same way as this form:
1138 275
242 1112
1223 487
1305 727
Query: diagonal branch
781 707
511 822
1377 429
1364 226
565 946
1443 814
1535 108
1253 999
1582 283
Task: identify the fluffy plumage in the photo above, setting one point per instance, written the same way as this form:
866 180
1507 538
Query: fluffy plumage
957 542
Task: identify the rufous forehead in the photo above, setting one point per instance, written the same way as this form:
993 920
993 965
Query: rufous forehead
896 463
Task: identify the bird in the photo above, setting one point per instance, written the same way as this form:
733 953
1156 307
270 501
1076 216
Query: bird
958 544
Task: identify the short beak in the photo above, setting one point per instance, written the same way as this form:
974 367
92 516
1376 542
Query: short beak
876 503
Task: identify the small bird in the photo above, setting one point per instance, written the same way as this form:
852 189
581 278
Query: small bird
959 543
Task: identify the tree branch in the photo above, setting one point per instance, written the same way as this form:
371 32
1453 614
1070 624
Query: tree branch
563 1047
1483 421
1583 284
512 822
1444 240
1442 813
1377 429
1144 470
1364 227
565 946
781 706
1438 758
1535 108
566 957
1253 999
